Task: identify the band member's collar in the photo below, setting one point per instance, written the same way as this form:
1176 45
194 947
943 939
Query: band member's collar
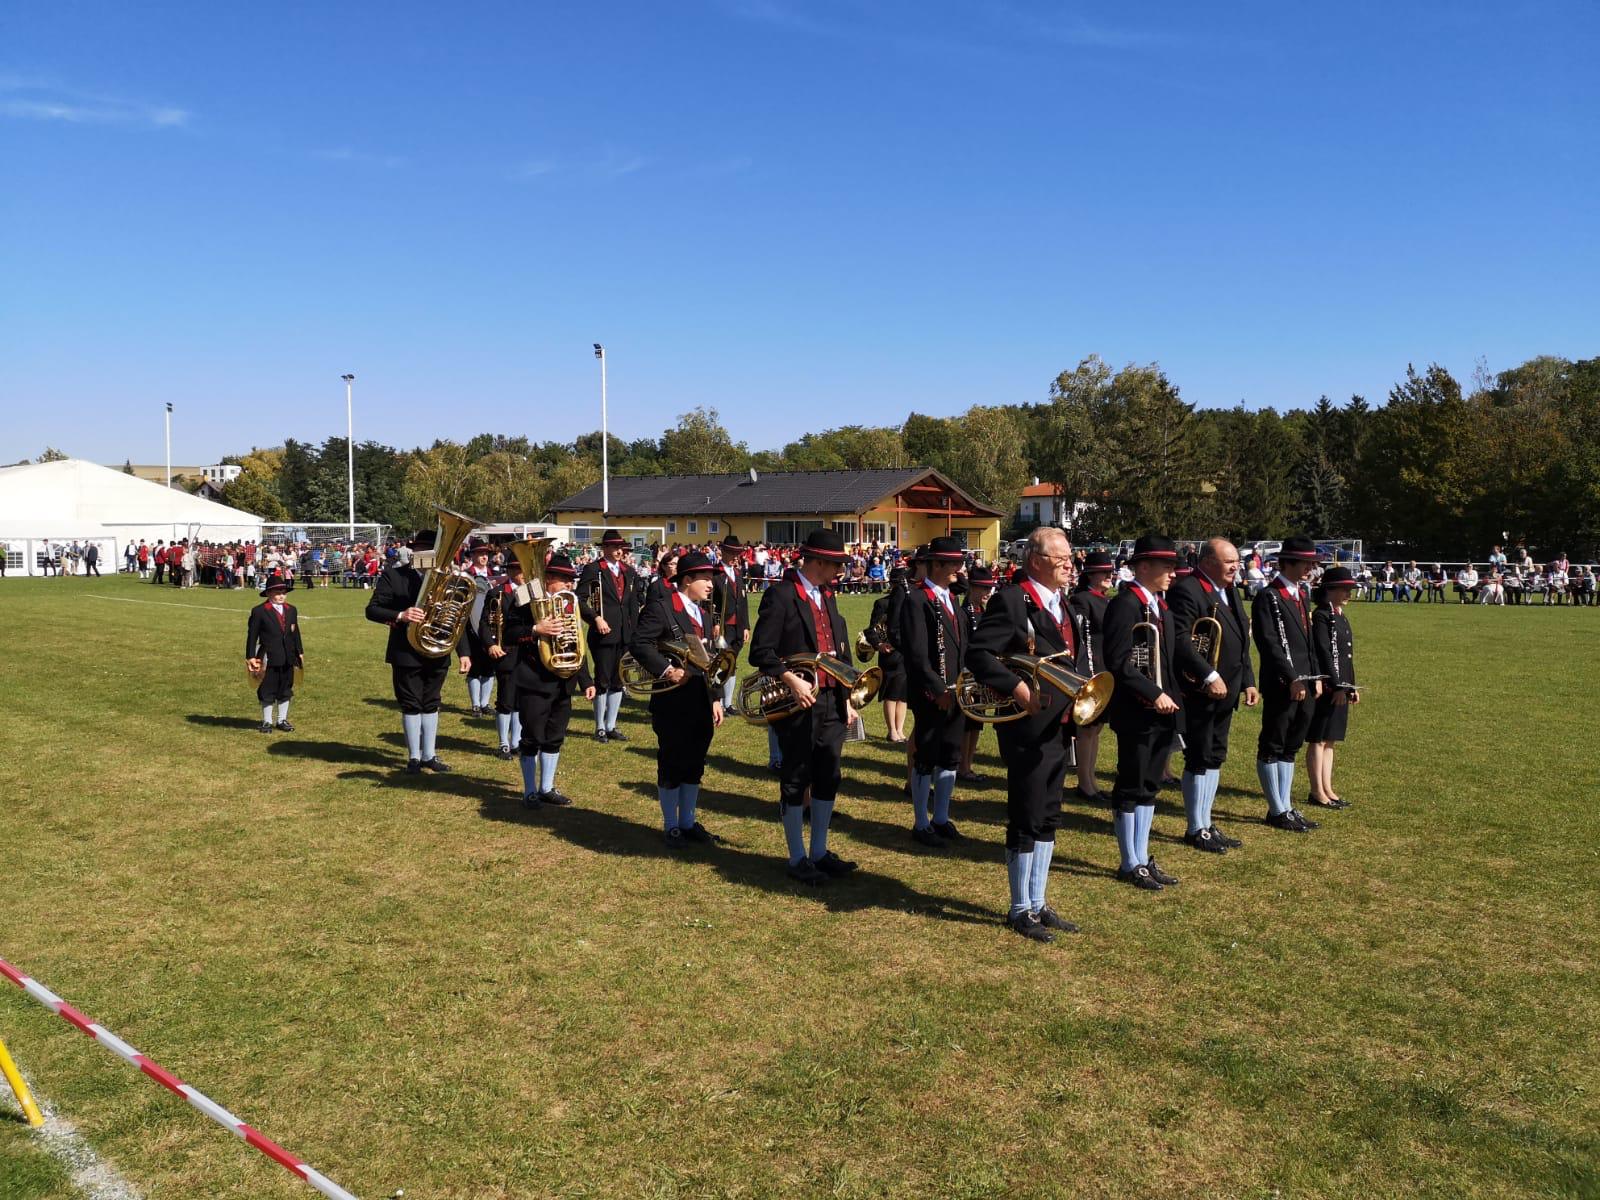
1151 602
1037 594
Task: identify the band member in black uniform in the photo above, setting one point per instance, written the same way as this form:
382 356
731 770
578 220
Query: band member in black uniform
1086 607
731 605
1336 659
610 627
917 571
1028 616
1280 621
980 586
544 699
893 666
418 679
934 637
1210 696
684 717
272 650
481 677
507 721
1144 713
798 615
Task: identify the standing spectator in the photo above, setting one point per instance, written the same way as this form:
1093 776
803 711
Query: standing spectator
47 557
189 563
143 554
91 560
160 561
5 552
129 558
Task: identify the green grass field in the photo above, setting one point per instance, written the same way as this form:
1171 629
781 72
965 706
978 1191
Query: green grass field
412 984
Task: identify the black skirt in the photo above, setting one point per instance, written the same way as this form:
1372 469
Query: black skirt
894 684
1329 720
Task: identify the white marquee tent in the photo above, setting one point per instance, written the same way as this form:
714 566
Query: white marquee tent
74 500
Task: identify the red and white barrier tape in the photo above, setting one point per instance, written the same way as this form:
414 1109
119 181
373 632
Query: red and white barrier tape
171 1082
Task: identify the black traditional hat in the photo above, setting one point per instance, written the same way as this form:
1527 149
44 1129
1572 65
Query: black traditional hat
1098 560
1338 577
897 574
560 564
1154 546
945 549
695 561
1298 548
731 541
612 538
981 576
278 583
826 544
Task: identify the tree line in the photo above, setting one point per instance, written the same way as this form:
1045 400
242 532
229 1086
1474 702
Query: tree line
1435 471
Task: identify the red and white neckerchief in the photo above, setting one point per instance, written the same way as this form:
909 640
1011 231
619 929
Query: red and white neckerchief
1212 589
1063 627
1153 604
277 611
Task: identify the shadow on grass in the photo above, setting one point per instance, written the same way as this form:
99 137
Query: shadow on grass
444 741
217 722
604 833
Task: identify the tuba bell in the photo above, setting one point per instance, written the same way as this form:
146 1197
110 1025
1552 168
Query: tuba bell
562 654
765 700
447 595
1089 694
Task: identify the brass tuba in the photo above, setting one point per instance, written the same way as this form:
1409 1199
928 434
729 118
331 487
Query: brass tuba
561 654
447 595
765 700
1089 693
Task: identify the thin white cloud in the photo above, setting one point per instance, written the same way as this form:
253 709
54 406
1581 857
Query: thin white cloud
364 158
607 164
26 99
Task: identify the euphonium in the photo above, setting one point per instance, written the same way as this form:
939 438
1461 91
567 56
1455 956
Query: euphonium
764 700
1145 654
447 595
561 653
1206 636
1089 693
680 652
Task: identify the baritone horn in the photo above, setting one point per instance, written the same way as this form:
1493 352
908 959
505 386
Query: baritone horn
447 595
868 641
1089 694
765 700
639 683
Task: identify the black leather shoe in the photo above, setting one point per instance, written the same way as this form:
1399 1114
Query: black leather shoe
696 833
532 801
927 837
1030 927
285 727
1161 876
1338 802
413 766
832 865
673 838
504 752
555 798
1223 839
1288 822
1304 820
1202 840
1171 781
616 735
1140 877
433 764
600 735
264 727
1051 919
1315 803
805 871
948 832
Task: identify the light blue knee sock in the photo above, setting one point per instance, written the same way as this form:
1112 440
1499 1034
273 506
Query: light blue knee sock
516 728
613 707
1039 874
821 814
547 769
430 735
1019 873
1194 801
1143 817
1211 781
266 714
793 833
944 786
688 797
502 725
283 710
729 686
920 786
1267 772
669 797
530 774
412 724
1286 784
1123 825
774 751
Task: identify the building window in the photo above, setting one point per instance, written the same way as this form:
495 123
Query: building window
877 531
694 526
672 527
714 526
790 533
847 530
582 533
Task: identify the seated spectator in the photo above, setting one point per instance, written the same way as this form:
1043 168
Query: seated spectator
1467 584
1434 581
1387 582
1514 585
1493 589
1555 584
1411 583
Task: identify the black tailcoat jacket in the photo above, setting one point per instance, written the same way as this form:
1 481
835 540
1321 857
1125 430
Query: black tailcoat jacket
924 622
397 589
276 644
620 608
1133 700
1013 623
1282 629
1195 596
785 626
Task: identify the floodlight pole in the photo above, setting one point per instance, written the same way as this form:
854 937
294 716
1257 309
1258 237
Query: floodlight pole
350 448
169 445
605 437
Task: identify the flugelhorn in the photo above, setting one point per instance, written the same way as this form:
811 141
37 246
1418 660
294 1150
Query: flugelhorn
1145 654
447 595
869 639
1089 694
765 700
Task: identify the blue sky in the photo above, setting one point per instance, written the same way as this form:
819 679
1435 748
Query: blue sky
804 213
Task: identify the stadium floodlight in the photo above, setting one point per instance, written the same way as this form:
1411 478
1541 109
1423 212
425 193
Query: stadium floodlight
350 448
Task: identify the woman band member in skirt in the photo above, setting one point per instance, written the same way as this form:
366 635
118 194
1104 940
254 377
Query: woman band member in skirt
1335 646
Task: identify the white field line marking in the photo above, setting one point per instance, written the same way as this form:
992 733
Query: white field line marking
91 1175
205 607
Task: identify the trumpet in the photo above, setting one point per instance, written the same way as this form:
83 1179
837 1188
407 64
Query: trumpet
1145 655
1089 694
764 700
1207 641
